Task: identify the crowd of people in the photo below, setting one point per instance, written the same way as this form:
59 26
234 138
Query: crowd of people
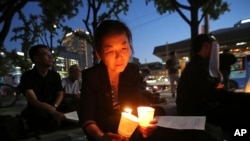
111 85
99 94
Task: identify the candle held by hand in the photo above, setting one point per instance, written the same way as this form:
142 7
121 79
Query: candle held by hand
128 123
145 115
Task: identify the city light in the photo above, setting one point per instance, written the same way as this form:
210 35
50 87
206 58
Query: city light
241 43
245 21
2 53
20 53
68 34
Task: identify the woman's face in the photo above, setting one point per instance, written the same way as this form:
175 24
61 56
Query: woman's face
116 52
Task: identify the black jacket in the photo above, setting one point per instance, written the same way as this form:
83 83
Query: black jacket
196 90
96 101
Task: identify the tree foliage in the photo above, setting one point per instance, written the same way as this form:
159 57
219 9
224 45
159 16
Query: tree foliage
4 67
53 12
36 28
17 60
8 9
8 61
39 27
197 9
99 10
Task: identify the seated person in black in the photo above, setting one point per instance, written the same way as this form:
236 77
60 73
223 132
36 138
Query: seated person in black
198 93
43 89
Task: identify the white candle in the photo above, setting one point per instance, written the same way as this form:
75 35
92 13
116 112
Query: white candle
145 115
128 123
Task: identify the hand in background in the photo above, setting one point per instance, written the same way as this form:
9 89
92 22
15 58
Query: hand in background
52 110
58 115
48 107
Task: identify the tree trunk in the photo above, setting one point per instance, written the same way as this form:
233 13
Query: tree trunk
194 28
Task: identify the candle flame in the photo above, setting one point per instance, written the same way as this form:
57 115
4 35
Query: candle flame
128 110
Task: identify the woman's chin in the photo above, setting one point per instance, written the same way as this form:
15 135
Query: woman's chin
120 69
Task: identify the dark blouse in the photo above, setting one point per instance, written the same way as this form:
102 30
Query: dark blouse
96 97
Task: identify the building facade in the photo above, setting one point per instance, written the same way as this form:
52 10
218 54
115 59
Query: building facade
236 38
155 69
74 50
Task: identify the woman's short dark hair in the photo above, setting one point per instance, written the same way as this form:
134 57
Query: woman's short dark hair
200 40
110 27
34 50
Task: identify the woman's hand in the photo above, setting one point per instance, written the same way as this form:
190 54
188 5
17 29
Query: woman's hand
113 137
148 130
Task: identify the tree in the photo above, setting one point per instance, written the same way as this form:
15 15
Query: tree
28 34
95 15
4 67
16 60
8 8
213 8
53 13
36 27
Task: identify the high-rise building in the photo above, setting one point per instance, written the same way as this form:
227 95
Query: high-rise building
74 50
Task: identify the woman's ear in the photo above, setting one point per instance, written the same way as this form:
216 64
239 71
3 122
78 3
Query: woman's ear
98 55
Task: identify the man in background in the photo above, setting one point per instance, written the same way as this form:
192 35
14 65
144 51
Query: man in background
226 60
199 94
173 66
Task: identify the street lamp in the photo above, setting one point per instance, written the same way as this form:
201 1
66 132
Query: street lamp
51 36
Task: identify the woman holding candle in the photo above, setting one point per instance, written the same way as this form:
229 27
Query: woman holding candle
111 86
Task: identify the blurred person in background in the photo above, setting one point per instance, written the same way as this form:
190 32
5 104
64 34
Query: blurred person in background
72 89
199 93
226 60
173 66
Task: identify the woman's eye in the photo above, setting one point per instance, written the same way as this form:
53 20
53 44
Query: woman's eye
124 48
108 51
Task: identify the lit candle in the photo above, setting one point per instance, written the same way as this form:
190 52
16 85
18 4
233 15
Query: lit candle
128 110
145 115
128 123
